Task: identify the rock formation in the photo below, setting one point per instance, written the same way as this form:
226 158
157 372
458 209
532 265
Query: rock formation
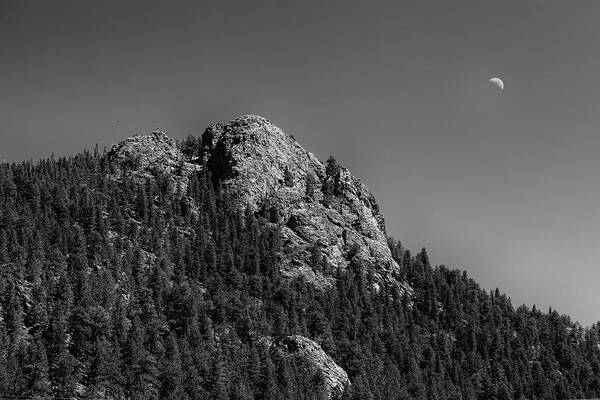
152 156
328 219
335 379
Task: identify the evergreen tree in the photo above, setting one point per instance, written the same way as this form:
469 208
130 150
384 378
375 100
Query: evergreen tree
288 177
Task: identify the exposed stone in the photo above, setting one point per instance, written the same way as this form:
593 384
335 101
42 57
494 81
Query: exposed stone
152 156
267 170
327 222
335 378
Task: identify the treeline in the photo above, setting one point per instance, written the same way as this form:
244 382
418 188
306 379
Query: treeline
112 288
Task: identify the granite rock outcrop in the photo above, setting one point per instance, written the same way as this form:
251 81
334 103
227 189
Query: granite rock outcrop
155 155
329 218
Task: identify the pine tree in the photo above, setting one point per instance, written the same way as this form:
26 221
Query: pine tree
311 186
140 365
171 375
219 380
267 383
288 177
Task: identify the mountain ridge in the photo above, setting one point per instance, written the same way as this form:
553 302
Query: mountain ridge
266 169
235 265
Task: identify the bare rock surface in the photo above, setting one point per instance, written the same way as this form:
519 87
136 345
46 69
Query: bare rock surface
267 170
335 378
152 156
328 221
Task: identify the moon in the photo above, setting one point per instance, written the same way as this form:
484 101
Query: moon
497 82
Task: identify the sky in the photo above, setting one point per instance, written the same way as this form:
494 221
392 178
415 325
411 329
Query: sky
504 184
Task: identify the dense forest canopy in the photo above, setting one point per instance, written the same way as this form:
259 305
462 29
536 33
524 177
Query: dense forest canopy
112 288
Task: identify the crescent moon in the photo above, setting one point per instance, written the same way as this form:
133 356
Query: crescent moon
497 82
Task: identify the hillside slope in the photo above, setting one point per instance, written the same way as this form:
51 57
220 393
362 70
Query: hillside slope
237 265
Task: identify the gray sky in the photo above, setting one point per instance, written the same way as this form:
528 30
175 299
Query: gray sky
503 184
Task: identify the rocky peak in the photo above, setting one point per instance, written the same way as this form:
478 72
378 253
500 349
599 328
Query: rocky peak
329 218
251 156
151 156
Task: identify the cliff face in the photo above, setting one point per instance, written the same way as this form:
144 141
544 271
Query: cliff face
329 219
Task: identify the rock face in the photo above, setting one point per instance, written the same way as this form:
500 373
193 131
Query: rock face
329 218
154 155
335 378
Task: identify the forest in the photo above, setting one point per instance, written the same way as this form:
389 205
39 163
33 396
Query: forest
114 289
